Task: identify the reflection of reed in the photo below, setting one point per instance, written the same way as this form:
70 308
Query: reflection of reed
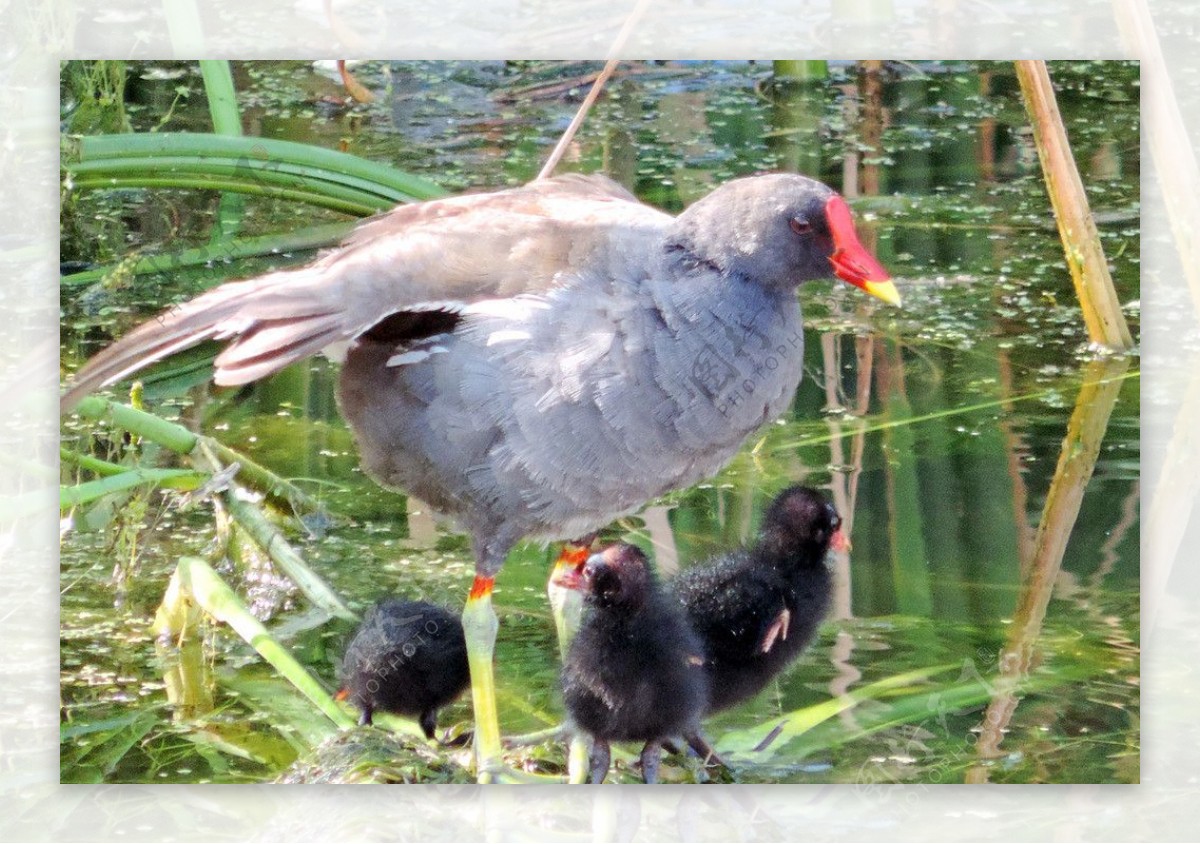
863 109
844 487
870 127
1014 450
987 134
1108 551
846 470
910 573
178 644
1077 459
797 113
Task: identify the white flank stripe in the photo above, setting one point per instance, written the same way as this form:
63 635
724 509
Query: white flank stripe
408 357
506 336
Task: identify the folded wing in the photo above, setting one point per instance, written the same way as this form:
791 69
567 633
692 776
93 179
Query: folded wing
425 261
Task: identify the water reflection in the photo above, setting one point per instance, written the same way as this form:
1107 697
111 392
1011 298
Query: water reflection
1077 461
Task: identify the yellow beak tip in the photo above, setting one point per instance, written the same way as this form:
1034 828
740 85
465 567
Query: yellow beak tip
884 290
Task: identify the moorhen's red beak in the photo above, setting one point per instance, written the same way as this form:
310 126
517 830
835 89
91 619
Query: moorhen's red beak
569 578
851 261
568 568
839 541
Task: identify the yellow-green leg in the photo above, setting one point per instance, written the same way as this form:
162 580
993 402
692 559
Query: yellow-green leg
479 629
566 604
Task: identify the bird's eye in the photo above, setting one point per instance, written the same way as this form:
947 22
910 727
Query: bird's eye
800 225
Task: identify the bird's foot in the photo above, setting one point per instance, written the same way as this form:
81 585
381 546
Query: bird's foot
498 773
651 754
700 746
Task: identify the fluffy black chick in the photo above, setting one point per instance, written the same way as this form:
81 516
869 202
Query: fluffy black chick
634 670
408 658
756 609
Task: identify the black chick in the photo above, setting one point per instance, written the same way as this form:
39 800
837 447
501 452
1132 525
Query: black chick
407 657
633 671
756 609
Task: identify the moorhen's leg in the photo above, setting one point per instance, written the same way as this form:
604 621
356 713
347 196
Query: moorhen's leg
566 601
428 722
650 756
479 629
601 756
698 743
566 604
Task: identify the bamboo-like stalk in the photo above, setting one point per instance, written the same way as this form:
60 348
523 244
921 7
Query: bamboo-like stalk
228 250
273 543
91 464
331 197
1077 460
611 65
281 552
73 496
178 645
226 120
791 70
222 98
296 177
758 738
209 455
1081 241
197 580
182 441
167 434
259 159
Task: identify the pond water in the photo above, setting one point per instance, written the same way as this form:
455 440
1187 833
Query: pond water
994 572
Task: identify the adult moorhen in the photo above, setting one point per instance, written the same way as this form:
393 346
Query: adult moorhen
541 360
633 671
407 657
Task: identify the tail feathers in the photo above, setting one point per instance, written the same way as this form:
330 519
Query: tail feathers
273 321
99 373
273 347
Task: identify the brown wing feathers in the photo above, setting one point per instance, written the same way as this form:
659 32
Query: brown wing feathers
418 257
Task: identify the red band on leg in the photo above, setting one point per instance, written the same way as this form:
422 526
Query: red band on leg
572 556
481 588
